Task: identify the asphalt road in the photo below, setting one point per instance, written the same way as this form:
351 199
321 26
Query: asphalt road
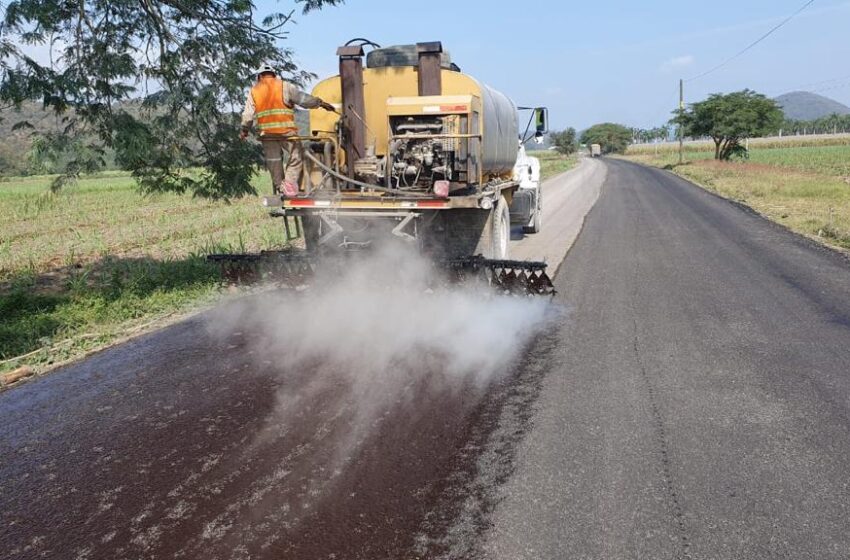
688 399
697 403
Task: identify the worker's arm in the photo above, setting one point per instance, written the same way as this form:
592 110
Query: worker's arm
247 116
294 96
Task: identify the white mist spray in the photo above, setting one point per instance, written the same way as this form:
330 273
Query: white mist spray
354 347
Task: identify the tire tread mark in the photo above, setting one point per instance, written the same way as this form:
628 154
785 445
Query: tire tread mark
664 449
658 422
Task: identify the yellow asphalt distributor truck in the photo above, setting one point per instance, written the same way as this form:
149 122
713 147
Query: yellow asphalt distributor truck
419 152
432 150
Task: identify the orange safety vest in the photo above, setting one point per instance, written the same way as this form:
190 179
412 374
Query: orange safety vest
274 116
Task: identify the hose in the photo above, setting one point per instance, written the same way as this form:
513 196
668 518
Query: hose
361 184
363 42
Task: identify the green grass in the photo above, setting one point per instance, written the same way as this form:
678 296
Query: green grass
86 313
105 216
828 160
812 141
97 261
805 188
552 163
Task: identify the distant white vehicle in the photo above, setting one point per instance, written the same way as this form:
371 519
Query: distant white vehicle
595 150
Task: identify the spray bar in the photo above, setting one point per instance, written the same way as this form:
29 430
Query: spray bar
297 268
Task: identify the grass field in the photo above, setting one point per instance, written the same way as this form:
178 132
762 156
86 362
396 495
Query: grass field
806 188
814 140
98 261
552 163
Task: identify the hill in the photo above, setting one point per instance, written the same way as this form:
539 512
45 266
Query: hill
807 106
15 144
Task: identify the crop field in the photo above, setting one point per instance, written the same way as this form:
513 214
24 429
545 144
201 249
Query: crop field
829 160
806 188
105 217
702 147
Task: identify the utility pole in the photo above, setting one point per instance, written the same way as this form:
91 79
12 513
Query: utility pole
681 113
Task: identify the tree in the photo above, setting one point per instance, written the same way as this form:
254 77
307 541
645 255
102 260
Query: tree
564 141
612 137
729 118
644 136
184 64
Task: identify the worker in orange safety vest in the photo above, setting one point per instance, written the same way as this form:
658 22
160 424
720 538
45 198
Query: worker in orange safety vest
272 103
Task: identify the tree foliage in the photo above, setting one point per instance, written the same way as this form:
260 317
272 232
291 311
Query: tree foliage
646 135
831 124
612 137
729 118
564 141
188 62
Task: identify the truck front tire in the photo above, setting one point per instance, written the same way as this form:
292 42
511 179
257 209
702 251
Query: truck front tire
537 220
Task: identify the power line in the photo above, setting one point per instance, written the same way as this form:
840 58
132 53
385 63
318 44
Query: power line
754 43
832 87
826 82
822 84
839 82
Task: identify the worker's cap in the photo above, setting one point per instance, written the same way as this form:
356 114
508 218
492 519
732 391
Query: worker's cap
266 67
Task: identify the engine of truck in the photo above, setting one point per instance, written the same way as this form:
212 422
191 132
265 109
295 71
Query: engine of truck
421 155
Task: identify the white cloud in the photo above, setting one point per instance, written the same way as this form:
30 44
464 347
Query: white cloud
677 63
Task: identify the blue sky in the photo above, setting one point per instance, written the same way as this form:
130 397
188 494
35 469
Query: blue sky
594 61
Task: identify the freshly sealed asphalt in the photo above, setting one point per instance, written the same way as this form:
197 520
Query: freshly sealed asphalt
698 401
691 400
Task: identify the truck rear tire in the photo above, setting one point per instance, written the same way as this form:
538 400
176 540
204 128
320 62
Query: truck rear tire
467 232
501 230
310 227
459 233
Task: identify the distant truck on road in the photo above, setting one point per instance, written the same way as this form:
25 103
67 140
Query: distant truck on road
595 150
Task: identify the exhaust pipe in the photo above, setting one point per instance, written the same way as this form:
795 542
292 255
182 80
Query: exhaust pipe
353 106
430 76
